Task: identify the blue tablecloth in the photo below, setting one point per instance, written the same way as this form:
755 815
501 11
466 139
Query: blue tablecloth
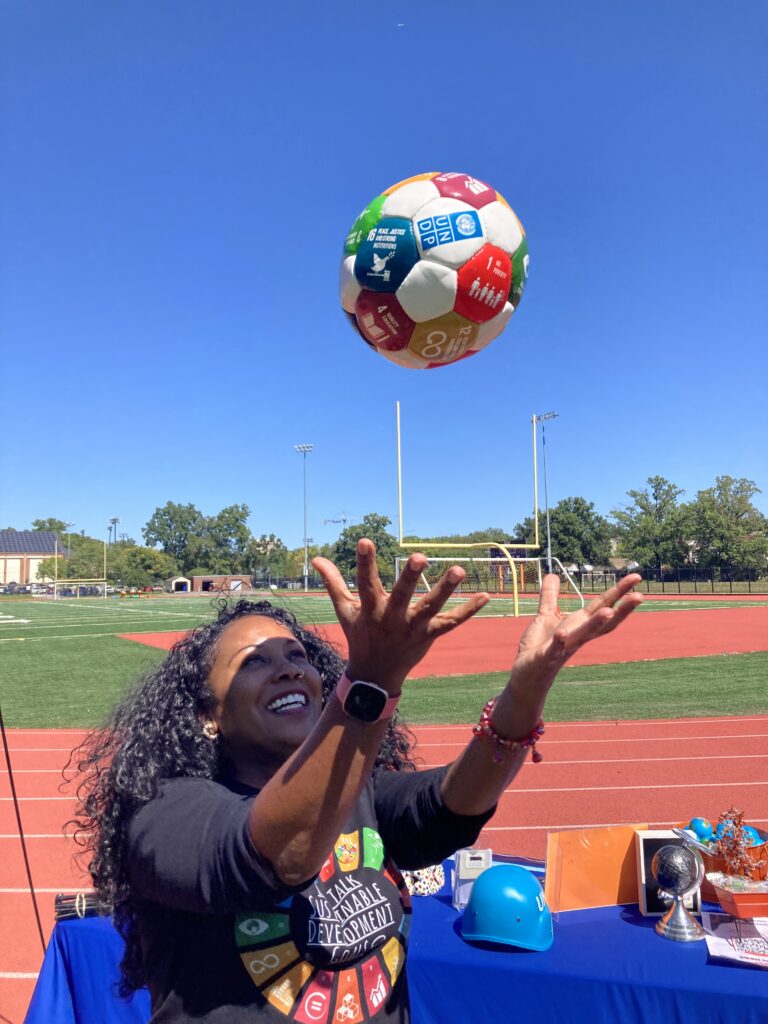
605 966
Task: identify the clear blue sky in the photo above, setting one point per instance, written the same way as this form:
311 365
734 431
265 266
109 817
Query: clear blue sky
178 178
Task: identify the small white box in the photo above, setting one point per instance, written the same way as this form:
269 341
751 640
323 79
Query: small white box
468 865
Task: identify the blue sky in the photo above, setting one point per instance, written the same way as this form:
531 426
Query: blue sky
178 179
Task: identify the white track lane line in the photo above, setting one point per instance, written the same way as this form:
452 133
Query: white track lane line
635 788
613 723
623 739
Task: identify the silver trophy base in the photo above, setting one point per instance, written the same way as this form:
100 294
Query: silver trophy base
677 924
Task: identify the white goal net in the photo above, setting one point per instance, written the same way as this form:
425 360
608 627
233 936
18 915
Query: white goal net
495 576
79 588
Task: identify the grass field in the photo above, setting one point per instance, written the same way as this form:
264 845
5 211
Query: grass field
63 664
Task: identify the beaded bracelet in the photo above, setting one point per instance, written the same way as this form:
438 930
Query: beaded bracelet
485 729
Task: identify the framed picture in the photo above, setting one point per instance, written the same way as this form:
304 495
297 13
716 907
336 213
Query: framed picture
649 842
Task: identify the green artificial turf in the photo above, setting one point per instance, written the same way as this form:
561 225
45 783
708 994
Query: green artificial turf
63 664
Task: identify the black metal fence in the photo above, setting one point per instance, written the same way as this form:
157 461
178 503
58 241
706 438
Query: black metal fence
684 580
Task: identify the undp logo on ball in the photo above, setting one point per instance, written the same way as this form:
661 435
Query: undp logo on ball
448 227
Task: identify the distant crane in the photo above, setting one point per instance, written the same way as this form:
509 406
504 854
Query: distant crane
346 517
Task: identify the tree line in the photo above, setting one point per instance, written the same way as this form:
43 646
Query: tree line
719 527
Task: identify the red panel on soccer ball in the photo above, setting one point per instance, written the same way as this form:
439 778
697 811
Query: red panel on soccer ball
470 190
382 321
484 283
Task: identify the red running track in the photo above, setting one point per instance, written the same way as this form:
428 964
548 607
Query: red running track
594 773
490 644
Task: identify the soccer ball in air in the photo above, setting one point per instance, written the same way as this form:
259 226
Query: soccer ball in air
433 269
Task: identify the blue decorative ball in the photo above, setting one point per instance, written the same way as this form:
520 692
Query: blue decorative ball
702 828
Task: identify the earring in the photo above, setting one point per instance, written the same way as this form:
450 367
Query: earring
210 731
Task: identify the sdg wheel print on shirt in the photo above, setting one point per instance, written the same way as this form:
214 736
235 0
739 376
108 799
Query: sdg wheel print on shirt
433 269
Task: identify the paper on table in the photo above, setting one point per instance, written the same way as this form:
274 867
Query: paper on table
591 867
737 941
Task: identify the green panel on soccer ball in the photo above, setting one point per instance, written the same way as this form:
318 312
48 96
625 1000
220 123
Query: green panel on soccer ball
368 219
519 272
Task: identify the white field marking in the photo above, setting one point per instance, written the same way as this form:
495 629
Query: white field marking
125 624
614 760
630 739
610 789
18 975
614 722
593 824
69 636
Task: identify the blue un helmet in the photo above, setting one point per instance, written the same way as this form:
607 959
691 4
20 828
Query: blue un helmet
507 905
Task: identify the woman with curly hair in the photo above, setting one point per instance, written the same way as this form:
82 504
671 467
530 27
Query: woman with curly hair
247 806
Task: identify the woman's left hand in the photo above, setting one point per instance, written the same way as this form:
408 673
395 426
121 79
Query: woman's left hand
549 642
388 634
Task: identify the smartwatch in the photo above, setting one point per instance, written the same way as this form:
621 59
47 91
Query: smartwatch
364 701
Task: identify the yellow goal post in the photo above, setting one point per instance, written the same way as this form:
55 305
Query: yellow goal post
508 564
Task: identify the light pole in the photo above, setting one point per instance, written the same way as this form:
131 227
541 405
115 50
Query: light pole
113 529
69 540
304 449
541 419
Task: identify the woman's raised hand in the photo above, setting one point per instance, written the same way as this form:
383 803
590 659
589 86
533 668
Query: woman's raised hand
388 634
549 641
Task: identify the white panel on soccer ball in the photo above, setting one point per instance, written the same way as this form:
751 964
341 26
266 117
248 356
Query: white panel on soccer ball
349 286
428 291
407 200
501 226
492 328
405 358
449 232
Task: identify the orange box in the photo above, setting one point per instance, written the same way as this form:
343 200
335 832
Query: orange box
742 904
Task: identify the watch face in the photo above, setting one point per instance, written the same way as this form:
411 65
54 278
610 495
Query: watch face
365 701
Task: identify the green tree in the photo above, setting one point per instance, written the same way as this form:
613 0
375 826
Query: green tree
266 556
226 538
726 527
57 525
136 566
48 569
651 529
578 533
374 527
173 528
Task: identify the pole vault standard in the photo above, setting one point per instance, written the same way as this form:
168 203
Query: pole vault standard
21 831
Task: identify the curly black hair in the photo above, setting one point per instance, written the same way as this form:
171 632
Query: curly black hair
156 733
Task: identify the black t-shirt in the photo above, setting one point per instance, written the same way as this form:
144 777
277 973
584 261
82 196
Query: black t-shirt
224 940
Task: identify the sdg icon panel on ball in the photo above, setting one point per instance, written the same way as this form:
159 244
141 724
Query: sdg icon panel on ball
433 269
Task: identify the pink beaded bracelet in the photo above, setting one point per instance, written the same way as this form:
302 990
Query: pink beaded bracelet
485 729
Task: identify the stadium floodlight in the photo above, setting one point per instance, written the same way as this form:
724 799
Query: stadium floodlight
113 522
303 450
542 419
69 539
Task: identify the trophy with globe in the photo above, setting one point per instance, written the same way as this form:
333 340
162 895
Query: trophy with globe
678 871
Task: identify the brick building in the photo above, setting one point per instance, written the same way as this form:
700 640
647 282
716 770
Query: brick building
22 551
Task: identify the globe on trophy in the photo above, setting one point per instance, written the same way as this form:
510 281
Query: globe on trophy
678 871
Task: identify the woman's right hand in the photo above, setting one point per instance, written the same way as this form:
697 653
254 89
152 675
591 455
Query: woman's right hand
387 634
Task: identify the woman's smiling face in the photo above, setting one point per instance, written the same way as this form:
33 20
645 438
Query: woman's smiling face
268 695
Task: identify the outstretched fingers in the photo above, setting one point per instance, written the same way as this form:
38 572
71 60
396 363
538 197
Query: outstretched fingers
369 585
406 583
550 592
334 582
